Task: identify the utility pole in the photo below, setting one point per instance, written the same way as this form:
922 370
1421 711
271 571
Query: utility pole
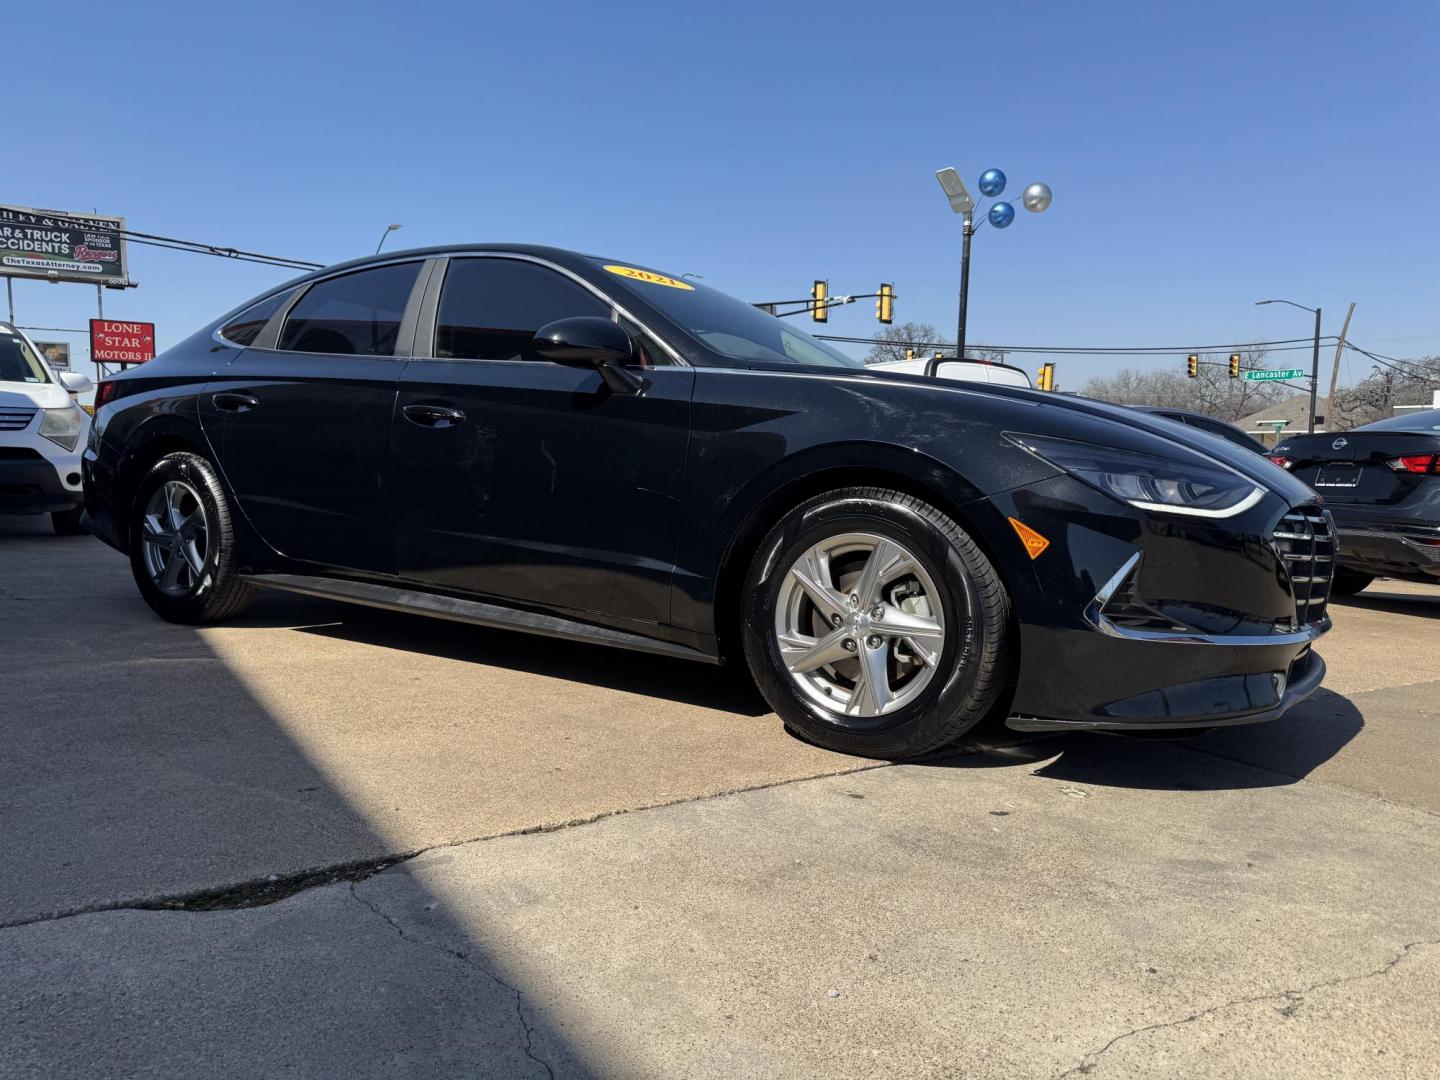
969 229
1330 413
1314 373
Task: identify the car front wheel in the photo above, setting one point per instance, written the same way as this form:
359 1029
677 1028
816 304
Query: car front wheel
182 544
875 625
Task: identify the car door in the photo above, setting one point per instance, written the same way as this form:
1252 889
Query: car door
305 417
526 480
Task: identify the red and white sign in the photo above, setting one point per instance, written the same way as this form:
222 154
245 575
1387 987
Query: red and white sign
115 342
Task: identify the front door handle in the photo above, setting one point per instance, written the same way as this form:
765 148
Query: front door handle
434 416
231 402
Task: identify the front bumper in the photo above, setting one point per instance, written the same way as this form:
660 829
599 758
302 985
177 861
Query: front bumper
34 485
1131 621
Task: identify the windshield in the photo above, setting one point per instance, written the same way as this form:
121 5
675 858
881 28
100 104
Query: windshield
18 362
730 327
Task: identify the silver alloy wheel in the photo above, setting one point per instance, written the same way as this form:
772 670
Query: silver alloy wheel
174 539
859 625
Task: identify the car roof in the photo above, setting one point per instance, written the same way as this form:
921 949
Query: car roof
1422 422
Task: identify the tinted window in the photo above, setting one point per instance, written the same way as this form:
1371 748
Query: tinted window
1423 421
491 308
358 314
246 327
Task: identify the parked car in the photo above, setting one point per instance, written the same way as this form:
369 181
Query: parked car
41 432
1382 484
983 371
1219 428
583 448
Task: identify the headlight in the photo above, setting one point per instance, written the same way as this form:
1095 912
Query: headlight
1198 486
62 426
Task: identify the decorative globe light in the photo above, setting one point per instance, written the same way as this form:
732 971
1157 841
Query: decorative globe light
992 182
1001 214
1036 197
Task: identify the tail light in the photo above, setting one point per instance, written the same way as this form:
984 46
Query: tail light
104 391
1416 463
1279 459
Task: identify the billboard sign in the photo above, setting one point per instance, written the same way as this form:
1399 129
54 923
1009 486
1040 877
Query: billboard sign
119 341
56 353
57 246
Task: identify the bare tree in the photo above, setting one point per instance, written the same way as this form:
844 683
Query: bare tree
922 337
1212 392
1411 382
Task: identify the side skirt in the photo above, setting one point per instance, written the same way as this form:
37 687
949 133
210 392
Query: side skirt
471 611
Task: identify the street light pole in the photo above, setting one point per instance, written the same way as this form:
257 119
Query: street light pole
1314 360
964 285
385 236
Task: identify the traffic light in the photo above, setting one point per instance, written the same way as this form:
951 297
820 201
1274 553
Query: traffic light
1234 365
909 354
885 304
1192 366
820 295
1047 377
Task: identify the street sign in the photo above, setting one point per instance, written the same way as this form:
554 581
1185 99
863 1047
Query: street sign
1262 376
59 246
115 341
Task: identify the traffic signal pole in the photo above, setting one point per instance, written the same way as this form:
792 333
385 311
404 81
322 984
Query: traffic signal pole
1315 374
969 230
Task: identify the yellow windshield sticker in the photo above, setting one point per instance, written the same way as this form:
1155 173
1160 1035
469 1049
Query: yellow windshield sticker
653 279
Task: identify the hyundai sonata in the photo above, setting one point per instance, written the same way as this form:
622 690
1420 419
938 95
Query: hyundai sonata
585 448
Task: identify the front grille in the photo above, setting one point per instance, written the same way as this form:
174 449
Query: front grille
1305 541
15 419
1126 609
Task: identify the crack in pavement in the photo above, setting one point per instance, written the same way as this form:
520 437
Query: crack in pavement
247 893
464 958
1089 1062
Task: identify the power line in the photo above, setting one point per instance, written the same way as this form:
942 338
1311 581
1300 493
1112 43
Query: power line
1280 345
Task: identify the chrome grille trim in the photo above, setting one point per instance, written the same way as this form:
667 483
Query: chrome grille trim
1305 542
16 419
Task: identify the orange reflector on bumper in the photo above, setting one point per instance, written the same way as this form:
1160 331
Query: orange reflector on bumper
1035 544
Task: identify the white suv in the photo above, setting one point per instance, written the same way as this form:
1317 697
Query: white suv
42 434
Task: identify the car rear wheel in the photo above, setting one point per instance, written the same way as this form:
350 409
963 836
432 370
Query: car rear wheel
875 625
182 545
1349 582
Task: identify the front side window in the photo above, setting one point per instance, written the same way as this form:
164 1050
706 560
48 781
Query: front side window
491 308
355 315
244 328
18 362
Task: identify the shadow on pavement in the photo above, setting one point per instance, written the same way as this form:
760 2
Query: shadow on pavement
684 681
1273 754
1398 603
145 774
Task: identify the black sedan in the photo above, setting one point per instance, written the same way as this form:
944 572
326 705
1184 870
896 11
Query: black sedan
584 448
1219 428
1382 484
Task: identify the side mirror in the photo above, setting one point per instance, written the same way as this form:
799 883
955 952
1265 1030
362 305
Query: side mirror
593 342
74 382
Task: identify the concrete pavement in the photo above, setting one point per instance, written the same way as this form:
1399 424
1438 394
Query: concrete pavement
1257 902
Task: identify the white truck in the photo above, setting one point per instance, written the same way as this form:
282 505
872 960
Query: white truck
960 371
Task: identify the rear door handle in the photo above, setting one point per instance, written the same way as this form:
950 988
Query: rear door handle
435 416
231 402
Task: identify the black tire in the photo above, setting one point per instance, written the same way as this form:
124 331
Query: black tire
973 666
217 592
1349 582
67 522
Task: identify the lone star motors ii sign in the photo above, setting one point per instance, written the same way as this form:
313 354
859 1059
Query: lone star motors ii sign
113 341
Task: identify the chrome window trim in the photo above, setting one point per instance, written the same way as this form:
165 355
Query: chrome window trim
300 289
1094 615
616 308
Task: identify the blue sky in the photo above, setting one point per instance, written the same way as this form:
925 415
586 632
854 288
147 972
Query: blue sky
1202 156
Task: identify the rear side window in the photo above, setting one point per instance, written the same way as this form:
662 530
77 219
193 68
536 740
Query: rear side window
246 327
491 308
354 315
18 362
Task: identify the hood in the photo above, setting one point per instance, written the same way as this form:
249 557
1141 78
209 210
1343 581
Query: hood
22 395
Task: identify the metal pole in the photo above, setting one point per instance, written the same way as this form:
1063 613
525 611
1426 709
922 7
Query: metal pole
1314 373
1330 414
10 295
100 309
969 229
